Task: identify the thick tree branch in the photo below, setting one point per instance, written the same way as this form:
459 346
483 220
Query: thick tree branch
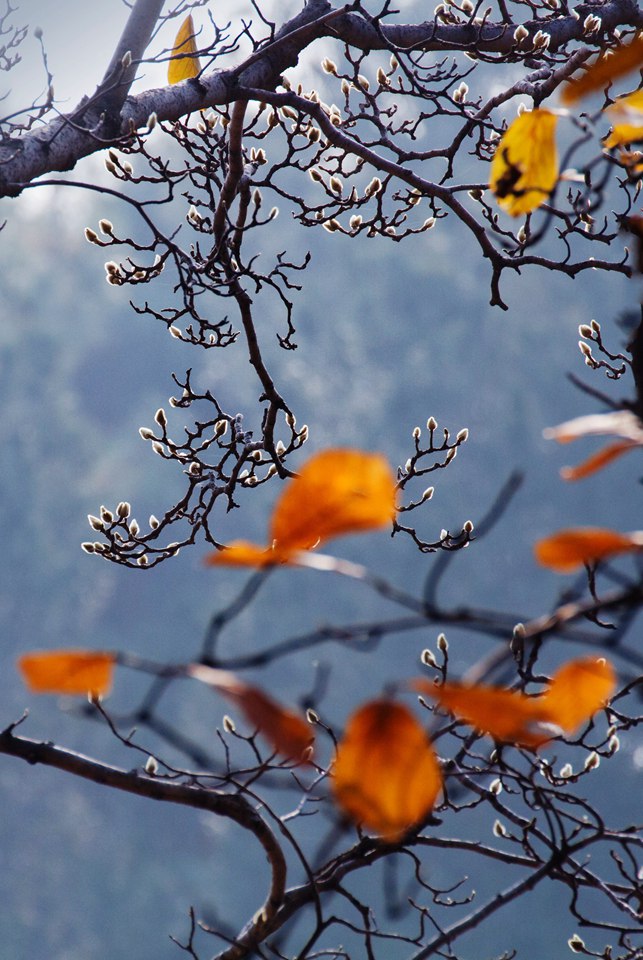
60 144
235 807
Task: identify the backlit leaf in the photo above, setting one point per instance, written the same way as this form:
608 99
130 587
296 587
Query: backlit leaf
286 731
608 66
569 549
78 672
578 690
617 423
626 117
598 460
186 64
524 169
506 715
386 776
337 492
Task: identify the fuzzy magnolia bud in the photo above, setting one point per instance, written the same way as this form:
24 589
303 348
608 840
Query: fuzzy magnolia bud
428 658
576 944
373 187
91 236
145 433
151 766
123 509
161 418
442 643
431 424
329 66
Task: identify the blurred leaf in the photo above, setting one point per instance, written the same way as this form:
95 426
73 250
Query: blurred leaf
524 169
569 549
608 66
578 690
506 715
337 492
187 64
386 776
598 460
287 732
618 423
78 672
626 117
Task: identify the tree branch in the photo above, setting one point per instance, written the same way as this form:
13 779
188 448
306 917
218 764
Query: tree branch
235 807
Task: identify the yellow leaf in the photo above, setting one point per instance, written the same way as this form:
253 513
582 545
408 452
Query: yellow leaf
386 776
337 492
506 715
569 549
524 169
608 66
184 63
577 691
78 672
626 117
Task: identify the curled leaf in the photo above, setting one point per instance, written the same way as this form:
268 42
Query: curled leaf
76 672
386 776
608 66
184 63
569 549
287 732
337 492
524 169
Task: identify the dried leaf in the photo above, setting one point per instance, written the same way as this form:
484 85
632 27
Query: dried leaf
598 460
78 672
337 492
184 63
524 169
569 549
608 66
287 732
506 715
386 775
577 691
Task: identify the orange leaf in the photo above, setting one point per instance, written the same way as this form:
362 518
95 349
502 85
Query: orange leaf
569 549
608 66
598 460
337 492
287 732
184 63
524 169
577 691
505 715
386 776
240 553
79 672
